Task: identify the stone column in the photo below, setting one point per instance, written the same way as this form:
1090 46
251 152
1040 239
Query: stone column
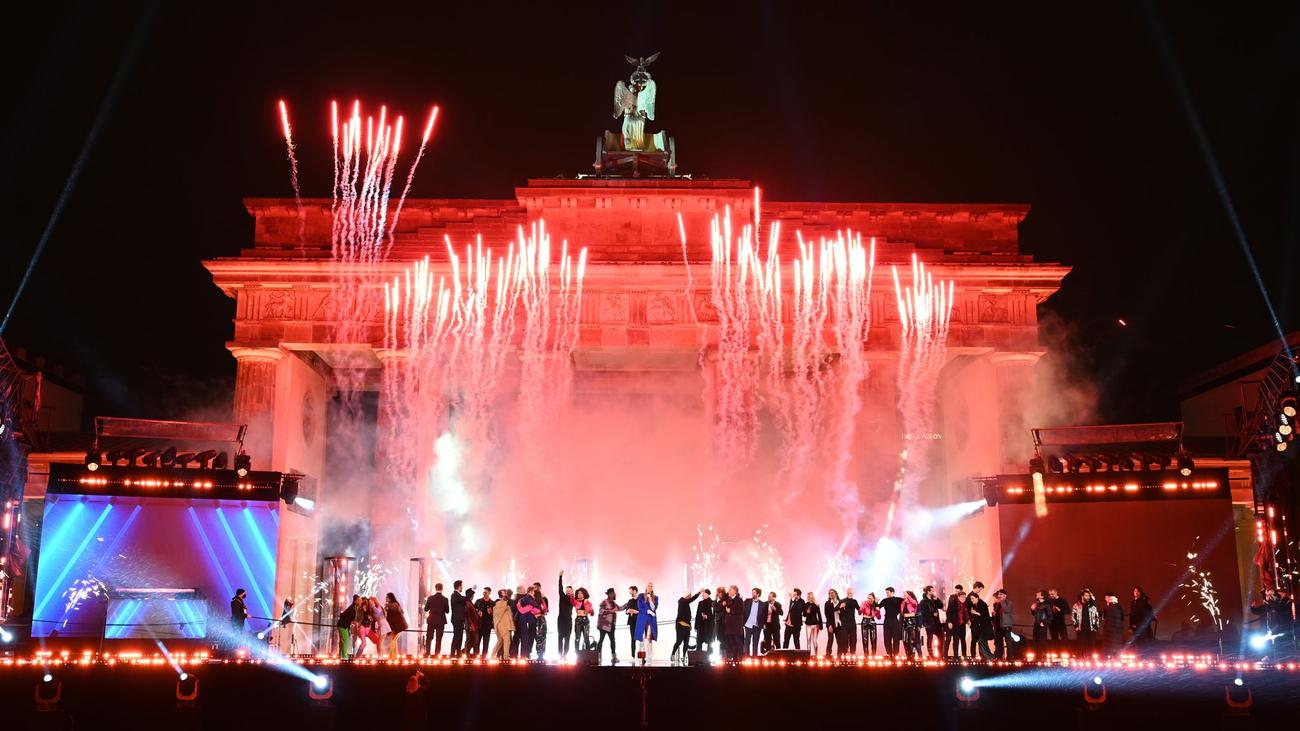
1014 379
255 399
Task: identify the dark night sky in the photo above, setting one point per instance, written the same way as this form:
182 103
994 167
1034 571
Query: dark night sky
1069 109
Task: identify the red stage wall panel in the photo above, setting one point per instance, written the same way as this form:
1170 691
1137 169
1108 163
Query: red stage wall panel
1115 545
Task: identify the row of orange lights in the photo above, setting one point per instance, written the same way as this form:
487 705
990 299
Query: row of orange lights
1125 662
155 482
1128 487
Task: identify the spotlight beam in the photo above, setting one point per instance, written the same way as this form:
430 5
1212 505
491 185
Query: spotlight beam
101 117
1212 166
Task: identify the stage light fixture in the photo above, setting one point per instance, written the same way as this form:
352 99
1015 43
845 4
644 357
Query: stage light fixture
1092 463
1036 466
243 464
1185 465
47 678
184 458
93 460
1094 691
205 458
1163 461
1287 403
220 461
1072 463
187 689
289 489
48 692
111 458
320 688
150 458
1259 642
967 691
1055 464
6 635
1237 696
168 457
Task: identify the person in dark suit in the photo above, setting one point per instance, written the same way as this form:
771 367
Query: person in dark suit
954 635
564 619
457 617
846 626
484 605
1060 616
892 606
435 610
794 620
704 621
981 623
1141 618
238 610
755 613
631 610
734 624
772 622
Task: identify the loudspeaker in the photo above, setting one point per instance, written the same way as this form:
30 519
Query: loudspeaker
590 658
788 655
697 658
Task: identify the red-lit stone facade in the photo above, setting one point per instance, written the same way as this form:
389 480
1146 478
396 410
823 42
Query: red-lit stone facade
634 309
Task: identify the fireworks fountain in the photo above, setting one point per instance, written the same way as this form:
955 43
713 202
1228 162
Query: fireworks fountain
478 428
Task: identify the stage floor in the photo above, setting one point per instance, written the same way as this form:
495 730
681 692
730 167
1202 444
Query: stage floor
142 694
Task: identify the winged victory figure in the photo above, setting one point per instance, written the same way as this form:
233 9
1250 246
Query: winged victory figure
635 101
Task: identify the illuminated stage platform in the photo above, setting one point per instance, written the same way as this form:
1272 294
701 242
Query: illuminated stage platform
142 693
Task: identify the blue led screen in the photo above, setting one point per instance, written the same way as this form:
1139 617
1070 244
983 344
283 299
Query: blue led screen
97 553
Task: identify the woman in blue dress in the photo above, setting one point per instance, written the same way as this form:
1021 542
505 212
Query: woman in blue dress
647 626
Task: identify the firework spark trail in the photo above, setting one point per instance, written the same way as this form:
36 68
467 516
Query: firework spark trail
78 592
707 555
293 170
410 176
770 566
924 310
457 337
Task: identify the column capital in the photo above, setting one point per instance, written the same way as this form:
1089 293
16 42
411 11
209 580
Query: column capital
1025 357
254 352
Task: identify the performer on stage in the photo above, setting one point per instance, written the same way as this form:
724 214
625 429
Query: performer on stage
683 626
435 611
396 619
347 618
734 624
1087 621
772 622
870 615
503 622
1141 618
605 621
720 619
457 617
704 622
238 611
812 619
484 606
630 609
844 624
647 624
955 622
755 619
928 612
564 618
794 620
892 606
582 622
832 614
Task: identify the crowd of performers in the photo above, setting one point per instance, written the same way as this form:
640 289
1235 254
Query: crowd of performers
963 624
